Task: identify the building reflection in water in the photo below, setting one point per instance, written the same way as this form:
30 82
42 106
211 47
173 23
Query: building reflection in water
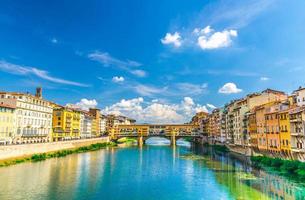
229 171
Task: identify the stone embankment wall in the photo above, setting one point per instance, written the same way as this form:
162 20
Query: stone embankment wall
241 150
15 151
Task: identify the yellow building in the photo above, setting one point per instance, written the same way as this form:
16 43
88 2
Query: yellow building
6 123
66 124
285 136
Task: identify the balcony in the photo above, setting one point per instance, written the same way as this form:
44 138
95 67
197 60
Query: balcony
297 150
296 120
297 134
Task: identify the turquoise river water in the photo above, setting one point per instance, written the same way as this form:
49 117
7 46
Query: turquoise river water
150 172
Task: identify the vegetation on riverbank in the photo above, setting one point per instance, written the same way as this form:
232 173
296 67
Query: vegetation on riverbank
192 157
289 168
220 148
217 147
127 141
56 154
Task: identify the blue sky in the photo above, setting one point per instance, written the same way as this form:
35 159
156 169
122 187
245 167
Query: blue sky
166 59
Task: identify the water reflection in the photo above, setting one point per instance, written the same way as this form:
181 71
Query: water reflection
152 172
245 182
160 141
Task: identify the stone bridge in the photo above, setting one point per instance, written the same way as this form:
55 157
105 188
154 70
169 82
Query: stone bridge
142 132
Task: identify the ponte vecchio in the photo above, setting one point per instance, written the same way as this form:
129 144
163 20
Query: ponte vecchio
142 132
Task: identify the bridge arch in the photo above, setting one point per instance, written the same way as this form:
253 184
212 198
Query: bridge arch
142 132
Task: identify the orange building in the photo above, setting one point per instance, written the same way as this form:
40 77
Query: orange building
260 124
272 130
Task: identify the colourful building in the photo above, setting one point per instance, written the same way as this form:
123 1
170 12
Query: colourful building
96 118
285 136
272 130
252 130
297 124
7 118
66 124
33 116
260 125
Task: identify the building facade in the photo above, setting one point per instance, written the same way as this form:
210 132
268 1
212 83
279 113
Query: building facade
7 122
33 116
66 123
297 126
85 125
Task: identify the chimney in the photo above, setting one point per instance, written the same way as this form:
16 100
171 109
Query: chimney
38 92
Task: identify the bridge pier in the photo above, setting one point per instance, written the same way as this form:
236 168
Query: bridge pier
173 140
141 141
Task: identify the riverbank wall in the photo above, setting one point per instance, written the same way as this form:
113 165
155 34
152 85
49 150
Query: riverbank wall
18 151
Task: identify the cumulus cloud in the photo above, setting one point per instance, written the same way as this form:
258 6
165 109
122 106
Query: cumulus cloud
155 111
264 78
209 39
118 79
174 39
131 108
107 60
26 71
84 104
229 88
200 108
162 113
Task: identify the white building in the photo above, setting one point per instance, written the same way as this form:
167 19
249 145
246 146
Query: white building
297 132
103 122
33 116
299 96
85 125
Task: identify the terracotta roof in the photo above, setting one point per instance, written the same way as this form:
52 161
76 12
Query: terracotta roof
4 105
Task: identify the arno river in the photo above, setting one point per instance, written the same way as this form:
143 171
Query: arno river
150 172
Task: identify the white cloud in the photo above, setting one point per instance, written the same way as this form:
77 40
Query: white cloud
54 40
107 60
205 30
155 111
211 106
199 108
162 113
236 14
264 78
174 39
187 105
118 79
229 88
139 72
24 71
146 90
152 113
192 89
209 39
84 104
